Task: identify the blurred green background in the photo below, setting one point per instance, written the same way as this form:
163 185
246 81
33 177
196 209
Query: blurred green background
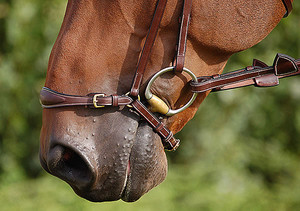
241 151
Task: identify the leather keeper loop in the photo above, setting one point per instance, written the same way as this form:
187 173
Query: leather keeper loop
170 143
115 101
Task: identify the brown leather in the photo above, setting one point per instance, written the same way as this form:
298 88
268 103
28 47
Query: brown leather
53 99
143 60
169 142
115 100
254 75
258 63
182 38
266 81
289 7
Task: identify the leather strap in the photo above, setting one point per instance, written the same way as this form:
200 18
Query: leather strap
259 75
288 6
169 142
143 60
53 99
182 38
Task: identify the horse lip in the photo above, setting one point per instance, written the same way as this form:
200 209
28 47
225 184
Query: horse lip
43 163
123 192
93 194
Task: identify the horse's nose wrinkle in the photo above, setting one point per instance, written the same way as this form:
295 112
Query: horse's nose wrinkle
70 166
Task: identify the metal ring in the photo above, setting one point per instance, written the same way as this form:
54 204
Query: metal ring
149 95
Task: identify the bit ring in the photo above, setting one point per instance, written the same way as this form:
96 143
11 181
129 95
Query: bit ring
157 104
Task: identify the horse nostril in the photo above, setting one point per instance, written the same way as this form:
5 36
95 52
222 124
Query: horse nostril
73 161
70 166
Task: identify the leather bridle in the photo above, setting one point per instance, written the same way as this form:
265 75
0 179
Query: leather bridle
259 74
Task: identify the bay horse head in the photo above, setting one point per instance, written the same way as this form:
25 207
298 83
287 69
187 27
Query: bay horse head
110 153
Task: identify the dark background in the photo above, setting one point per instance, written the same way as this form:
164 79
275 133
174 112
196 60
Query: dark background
241 151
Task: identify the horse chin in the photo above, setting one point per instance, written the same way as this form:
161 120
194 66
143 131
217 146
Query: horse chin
147 164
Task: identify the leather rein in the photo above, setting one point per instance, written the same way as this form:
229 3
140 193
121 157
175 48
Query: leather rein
259 74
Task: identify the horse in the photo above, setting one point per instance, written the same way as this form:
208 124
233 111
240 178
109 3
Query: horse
112 153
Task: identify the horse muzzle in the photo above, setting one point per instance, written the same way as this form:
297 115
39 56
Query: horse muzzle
99 162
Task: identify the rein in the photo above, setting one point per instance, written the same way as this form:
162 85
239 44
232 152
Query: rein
259 74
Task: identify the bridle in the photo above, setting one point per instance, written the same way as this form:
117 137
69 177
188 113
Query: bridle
259 75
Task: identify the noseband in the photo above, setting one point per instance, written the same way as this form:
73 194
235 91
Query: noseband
259 75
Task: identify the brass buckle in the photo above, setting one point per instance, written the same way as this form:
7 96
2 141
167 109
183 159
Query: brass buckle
95 101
